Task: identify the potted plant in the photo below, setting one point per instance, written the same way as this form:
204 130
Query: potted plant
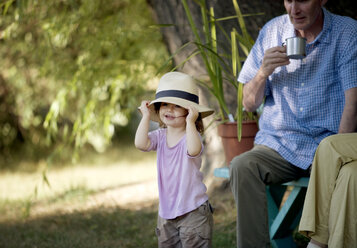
224 67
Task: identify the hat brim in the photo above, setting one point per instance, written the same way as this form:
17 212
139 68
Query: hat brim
204 111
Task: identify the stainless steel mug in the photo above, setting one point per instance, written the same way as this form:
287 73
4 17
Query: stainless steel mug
295 47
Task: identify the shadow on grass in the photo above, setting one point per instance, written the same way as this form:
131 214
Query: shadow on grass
108 227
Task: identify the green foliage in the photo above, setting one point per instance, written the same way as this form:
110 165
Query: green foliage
75 67
222 58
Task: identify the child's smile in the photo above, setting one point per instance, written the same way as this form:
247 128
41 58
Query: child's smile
172 114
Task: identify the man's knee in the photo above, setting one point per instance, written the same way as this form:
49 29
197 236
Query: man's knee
338 145
348 172
334 140
242 164
326 143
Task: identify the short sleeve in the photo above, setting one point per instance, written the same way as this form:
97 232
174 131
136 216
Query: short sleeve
347 66
254 61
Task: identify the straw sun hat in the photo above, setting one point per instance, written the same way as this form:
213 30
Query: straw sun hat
180 89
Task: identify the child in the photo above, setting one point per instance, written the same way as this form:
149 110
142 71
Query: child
185 215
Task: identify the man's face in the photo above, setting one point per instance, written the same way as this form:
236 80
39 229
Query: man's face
304 14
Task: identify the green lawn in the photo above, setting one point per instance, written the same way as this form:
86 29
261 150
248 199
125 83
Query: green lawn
107 227
107 200
102 227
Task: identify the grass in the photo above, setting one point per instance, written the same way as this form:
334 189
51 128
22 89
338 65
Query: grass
104 201
84 205
101 227
115 168
109 227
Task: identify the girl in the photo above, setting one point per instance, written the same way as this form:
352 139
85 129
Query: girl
185 215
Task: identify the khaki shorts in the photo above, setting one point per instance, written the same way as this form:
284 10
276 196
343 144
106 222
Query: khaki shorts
193 229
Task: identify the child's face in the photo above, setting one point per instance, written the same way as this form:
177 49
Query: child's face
172 115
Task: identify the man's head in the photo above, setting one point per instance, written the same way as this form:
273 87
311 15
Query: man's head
305 15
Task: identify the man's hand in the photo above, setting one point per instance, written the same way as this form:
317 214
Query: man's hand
253 91
273 58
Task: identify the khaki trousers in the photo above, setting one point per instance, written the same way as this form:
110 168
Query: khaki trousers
250 172
191 230
330 209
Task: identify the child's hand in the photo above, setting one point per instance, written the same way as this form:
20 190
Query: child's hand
192 114
144 108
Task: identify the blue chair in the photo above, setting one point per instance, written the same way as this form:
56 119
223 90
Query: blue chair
282 219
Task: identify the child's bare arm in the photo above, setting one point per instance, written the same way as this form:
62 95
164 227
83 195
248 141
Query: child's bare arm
194 144
142 140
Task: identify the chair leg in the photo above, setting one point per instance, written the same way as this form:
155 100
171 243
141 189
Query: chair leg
290 212
275 195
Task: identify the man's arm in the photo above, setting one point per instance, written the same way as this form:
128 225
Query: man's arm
348 122
253 91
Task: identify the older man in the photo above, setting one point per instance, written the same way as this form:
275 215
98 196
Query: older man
306 101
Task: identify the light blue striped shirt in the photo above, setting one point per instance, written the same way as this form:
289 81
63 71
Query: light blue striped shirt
305 99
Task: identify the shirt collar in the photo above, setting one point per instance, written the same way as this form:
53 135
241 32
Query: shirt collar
325 34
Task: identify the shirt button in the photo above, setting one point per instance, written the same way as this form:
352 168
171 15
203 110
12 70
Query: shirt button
302 84
301 109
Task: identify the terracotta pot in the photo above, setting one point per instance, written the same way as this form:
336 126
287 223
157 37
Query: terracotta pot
231 146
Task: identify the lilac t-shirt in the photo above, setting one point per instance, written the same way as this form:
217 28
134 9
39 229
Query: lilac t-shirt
181 189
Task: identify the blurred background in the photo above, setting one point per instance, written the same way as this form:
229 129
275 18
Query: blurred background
72 74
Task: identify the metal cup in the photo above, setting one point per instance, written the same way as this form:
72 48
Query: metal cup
295 47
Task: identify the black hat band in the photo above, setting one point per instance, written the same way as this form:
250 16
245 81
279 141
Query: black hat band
177 93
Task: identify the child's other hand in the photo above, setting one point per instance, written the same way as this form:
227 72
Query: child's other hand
192 114
144 108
